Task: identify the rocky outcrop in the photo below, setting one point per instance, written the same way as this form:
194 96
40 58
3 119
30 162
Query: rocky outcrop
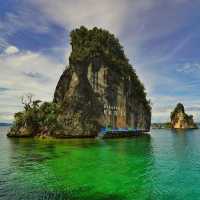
180 120
98 89
95 91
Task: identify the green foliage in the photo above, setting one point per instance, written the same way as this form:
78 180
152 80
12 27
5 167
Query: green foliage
49 116
90 44
38 117
19 119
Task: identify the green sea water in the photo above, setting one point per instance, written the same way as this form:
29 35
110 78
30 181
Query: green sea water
164 166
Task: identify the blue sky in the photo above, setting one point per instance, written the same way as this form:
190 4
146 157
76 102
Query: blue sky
161 38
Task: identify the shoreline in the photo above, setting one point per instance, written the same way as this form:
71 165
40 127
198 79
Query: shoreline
106 136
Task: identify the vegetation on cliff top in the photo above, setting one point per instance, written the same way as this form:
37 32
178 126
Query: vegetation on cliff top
99 43
88 44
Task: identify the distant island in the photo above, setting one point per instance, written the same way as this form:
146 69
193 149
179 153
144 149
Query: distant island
163 125
179 120
98 89
5 124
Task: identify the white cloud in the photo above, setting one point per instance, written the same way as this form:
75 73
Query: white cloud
3 43
189 67
23 18
109 14
25 72
11 50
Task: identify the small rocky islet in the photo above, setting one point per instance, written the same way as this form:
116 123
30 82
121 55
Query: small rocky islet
98 89
179 119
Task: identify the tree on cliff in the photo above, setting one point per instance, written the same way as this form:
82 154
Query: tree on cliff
37 117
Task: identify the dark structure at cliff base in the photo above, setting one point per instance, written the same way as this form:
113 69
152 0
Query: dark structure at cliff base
180 120
98 89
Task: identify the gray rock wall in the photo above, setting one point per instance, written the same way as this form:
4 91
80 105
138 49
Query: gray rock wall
93 96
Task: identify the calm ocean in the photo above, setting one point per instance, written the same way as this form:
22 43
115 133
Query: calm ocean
164 166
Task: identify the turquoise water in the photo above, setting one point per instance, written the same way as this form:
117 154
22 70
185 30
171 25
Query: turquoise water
163 166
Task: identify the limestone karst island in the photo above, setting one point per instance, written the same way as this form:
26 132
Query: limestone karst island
178 120
181 120
99 100
98 91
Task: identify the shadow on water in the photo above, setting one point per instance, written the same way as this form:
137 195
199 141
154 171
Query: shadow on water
24 151
35 150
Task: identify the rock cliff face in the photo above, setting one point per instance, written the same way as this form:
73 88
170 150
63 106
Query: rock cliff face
180 120
99 88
